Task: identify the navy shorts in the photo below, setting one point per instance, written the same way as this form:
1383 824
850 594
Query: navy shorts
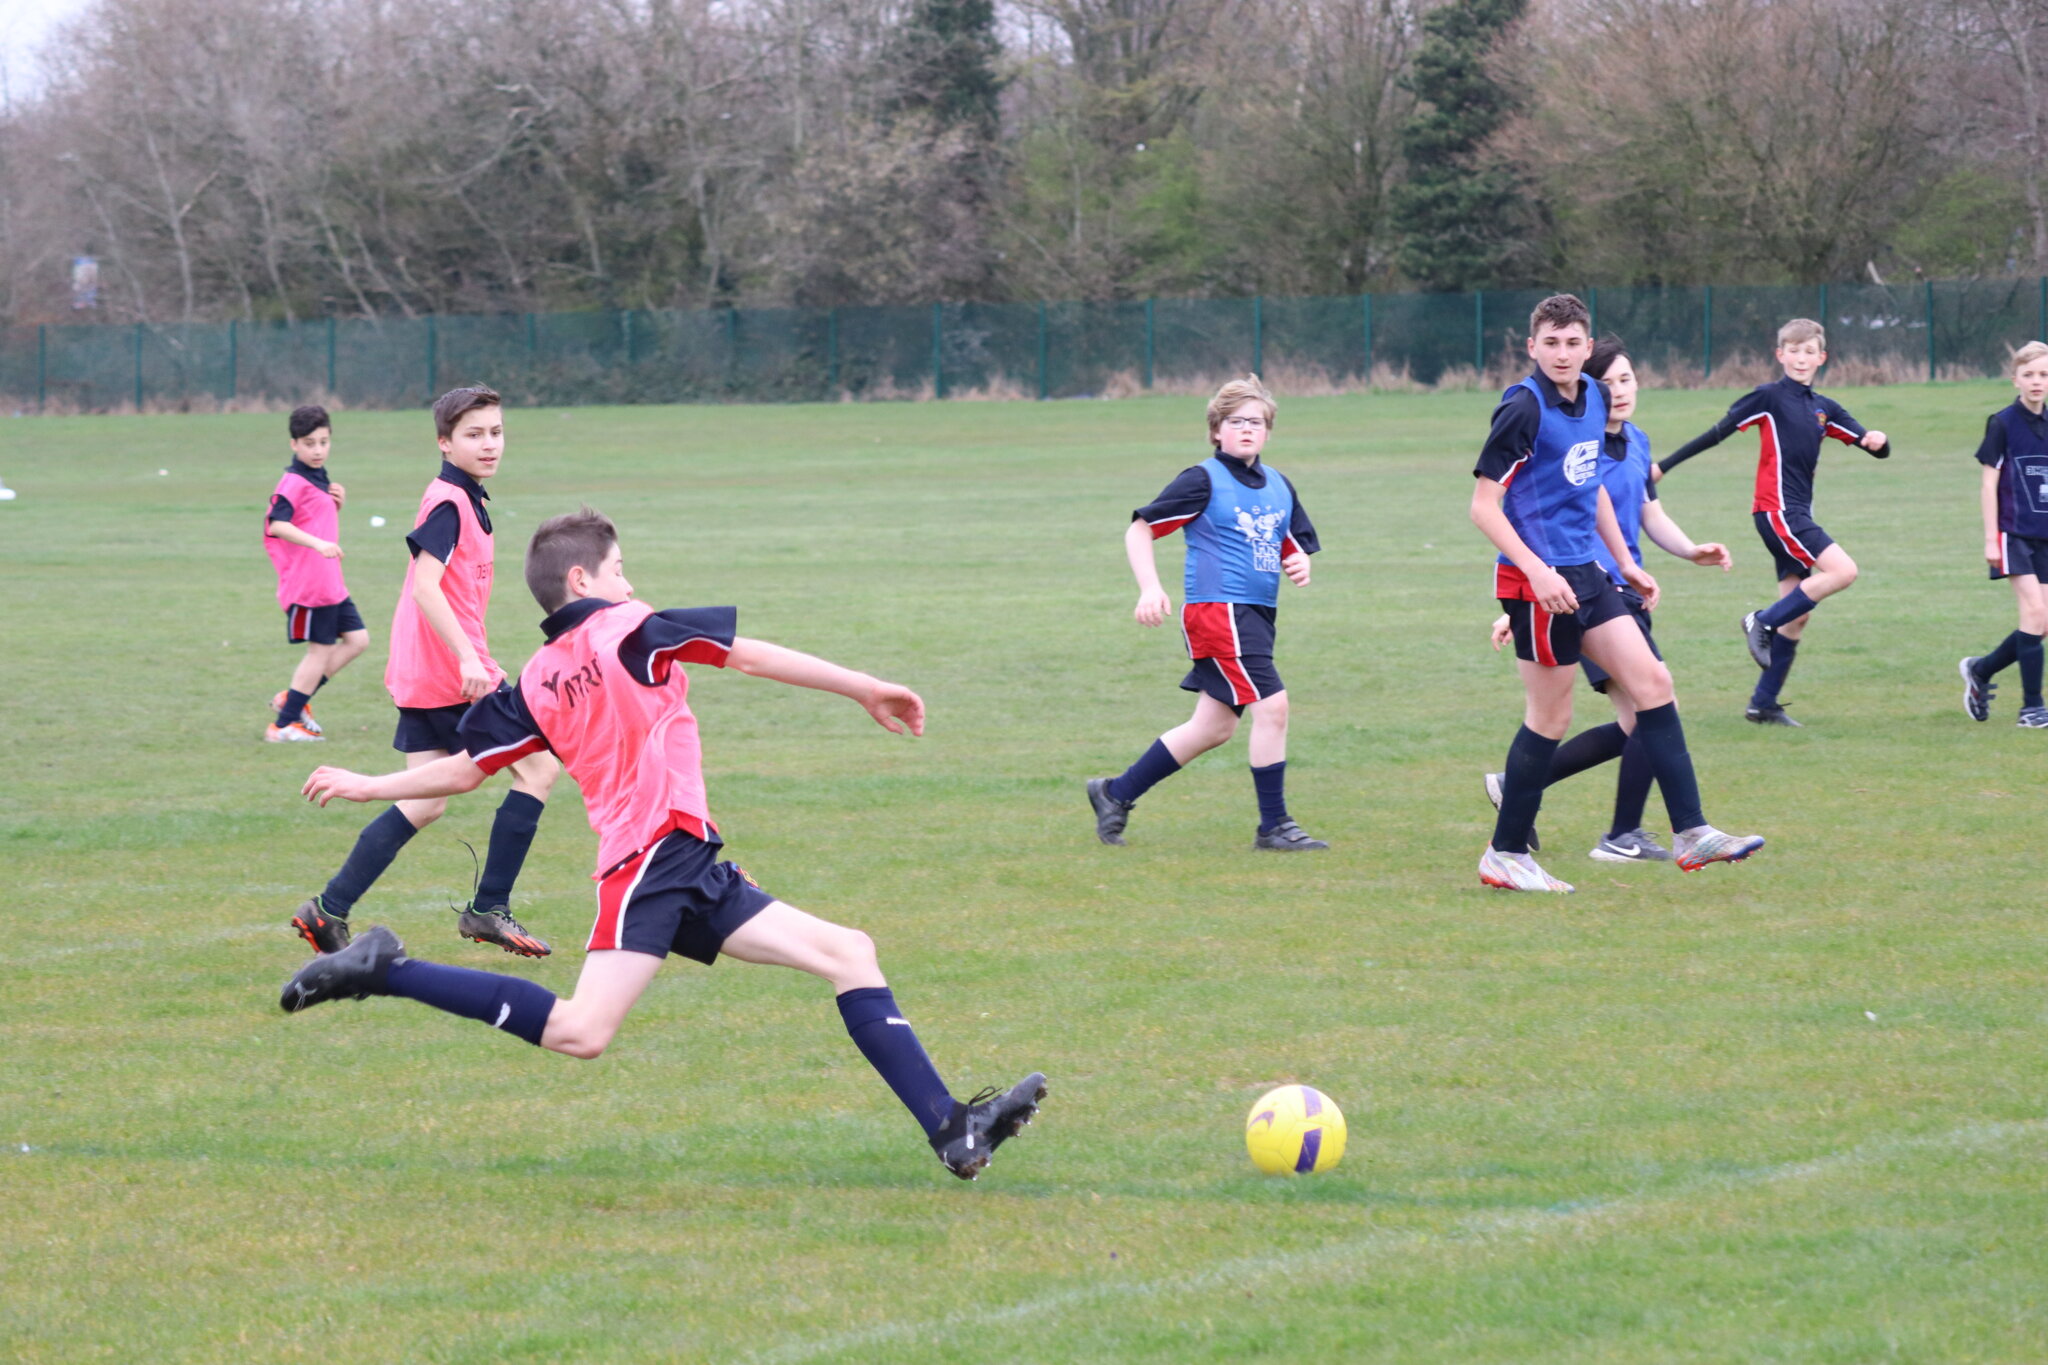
676 897
425 728
2019 555
1231 644
1597 675
321 625
1553 641
1794 539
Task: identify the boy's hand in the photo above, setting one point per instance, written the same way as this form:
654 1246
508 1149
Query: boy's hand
1502 631
475 681
338 493
1295 566
328 783
1993 552
1639 578
1873 440
1713 555
895 708
327 549
1553 594
1152 607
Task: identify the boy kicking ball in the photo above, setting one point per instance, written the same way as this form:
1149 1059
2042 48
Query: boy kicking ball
2014 454
607 695
300 535
1245 529
1539 498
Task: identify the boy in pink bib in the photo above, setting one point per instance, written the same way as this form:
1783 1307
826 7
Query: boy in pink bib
440 664
608 696
299 535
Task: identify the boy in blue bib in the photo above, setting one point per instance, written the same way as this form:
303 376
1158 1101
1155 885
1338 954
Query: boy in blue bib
1245 530
2014 454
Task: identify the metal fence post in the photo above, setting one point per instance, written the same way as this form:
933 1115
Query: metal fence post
1368 337
433 358
2041 321
1258 334
938 353
42 366
1151 340
1044 346
532 341
1707 332
831 351
330 355
1823 303
732 348
1593 311
1930 331
138 367
1479 330
233 358
626 323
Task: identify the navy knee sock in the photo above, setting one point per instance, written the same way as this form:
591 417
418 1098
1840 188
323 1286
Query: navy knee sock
318 685
1772 680
1587 749
1154 766
1664 743
294 707
1790 607
512 1003
1521 790
2029 652
1270 782
511 835
375 847
891 1047
1632 787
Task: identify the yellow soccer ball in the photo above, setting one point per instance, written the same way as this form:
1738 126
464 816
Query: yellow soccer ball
1294 1130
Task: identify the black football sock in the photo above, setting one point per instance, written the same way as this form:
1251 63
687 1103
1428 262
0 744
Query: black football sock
293 708
1270 782
512 1003
2029 651
375 847
2000 658
1521 790
318 685
1632 787
886 1039
1154 766
1664 743
511 835
1587 749
1790 607
1772 680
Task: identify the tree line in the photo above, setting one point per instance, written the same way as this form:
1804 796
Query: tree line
284 159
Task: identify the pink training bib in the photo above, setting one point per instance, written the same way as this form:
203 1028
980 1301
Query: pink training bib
423 671
632 749
305 578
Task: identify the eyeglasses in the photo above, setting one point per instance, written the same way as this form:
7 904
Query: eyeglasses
1245 423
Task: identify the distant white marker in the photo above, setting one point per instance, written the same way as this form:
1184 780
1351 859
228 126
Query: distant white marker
376 521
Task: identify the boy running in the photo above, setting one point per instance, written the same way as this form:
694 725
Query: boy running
1790 419
607 693
1245 528
1539 498
2014 454
299 536
1626 475
440 664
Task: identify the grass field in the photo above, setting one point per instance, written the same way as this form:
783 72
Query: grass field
1787 1111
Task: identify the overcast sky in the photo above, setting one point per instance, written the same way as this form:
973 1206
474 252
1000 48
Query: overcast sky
28 22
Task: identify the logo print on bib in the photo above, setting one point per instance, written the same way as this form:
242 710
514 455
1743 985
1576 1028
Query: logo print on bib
2034 478
1258 526
1580 462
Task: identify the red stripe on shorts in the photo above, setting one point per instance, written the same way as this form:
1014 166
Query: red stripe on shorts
1539 635
1788 540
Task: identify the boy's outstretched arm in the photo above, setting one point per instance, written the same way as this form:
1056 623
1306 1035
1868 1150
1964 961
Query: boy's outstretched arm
1666 535
292 535
895 708
1740 412
450 776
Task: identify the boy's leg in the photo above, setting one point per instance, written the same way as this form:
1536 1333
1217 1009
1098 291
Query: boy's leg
1547 714
488 917
1626 840
2033 605
1213 723
1277 829
291 708
323 920
1780 637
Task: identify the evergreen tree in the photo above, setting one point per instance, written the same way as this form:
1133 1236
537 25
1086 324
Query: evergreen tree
1460 219
945 64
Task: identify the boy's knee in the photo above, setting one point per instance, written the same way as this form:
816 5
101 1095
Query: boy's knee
854 949
1272 712
424 811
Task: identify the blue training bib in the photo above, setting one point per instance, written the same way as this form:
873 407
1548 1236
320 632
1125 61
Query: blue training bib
1553 495
1235 545
1627 482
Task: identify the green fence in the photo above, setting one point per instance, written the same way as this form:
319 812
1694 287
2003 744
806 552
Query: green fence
1048 350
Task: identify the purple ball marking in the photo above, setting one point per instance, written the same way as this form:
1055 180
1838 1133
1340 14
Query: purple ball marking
1311 1101
1267 1116
1311 1148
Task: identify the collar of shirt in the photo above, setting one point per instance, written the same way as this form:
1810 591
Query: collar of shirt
1551 396
560 623
2038 421
316 477
1803 392
450 474
1616 444
1251 475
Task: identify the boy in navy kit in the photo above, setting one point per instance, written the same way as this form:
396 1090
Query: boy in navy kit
2014 454
608 694
1245 528
440 664
1539 498
299 534
1790 419
1626 475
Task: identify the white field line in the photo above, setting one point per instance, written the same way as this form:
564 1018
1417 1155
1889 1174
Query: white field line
1352 1257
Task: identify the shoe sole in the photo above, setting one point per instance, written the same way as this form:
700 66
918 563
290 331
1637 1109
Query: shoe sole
526 947
308 933
972 1170
1561 889
1689 865
1970 686
1115 839
1317 847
